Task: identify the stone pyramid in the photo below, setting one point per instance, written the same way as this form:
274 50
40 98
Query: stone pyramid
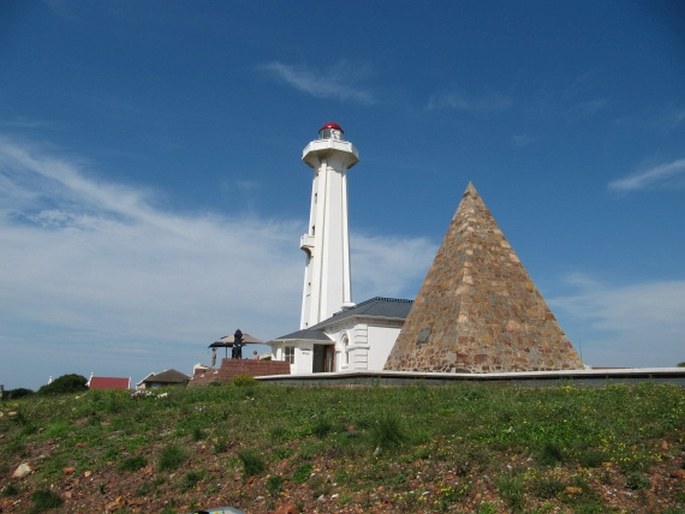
478 310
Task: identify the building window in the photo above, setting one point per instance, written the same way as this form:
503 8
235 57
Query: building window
289 354
345 349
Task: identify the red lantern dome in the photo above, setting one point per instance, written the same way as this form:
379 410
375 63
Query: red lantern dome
332 125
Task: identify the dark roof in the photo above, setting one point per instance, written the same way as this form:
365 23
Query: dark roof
311 334
377 307
169 376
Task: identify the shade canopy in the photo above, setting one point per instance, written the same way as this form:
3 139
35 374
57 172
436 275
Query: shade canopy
227 341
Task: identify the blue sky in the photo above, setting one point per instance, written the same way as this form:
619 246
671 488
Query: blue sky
152 194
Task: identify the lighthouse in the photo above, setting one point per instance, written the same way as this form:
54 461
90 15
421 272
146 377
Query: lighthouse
327 282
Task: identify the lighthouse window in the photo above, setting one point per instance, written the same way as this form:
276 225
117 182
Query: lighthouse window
325 133
289 354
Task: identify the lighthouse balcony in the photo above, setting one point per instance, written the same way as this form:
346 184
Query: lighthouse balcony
307 243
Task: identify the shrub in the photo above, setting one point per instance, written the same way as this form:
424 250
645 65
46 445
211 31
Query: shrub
171 457
274 484
511 489
550 454
15 394
191 479
547 488
45 500
197 434
387 432
133 463
10 490
591 458
637 481
244 381
322 426
302 474
253 464
65 384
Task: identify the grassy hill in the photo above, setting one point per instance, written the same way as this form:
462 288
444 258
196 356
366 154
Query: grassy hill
257 447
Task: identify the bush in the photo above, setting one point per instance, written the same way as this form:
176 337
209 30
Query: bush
10 490
511 489
302 474
637 481
322 426
191 479
133 463
387 432
171 458
45 500
253 464
15 394
274 484
244 381
65 384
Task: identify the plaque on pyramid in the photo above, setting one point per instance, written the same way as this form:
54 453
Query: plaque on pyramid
478 310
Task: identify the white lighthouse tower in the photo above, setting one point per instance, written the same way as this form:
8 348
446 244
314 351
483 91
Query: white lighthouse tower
327 281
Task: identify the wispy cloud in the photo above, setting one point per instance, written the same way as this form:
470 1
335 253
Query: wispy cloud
639 324
340 81
585 109
458 100
120 286
521 140
664 175
22 122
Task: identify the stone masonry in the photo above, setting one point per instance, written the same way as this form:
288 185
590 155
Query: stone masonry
478 310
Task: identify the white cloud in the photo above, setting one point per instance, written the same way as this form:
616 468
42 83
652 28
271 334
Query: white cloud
408 259
338 81
640 324
662 174
94 277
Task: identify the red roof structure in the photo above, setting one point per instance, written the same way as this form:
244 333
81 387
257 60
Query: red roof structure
332 125
109 382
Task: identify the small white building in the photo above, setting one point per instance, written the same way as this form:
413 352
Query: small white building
357 338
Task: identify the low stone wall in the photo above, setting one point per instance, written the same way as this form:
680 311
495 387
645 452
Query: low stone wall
232 367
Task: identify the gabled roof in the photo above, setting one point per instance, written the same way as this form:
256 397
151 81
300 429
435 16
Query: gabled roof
377 307
478 309
169 376
109 383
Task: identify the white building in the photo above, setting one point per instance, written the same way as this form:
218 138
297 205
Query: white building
335 334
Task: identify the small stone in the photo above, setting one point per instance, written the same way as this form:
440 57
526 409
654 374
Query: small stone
69 470
22 470
87 473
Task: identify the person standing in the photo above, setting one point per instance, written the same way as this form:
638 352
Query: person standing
237 352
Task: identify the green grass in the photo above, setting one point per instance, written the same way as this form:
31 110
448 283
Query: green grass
532 444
